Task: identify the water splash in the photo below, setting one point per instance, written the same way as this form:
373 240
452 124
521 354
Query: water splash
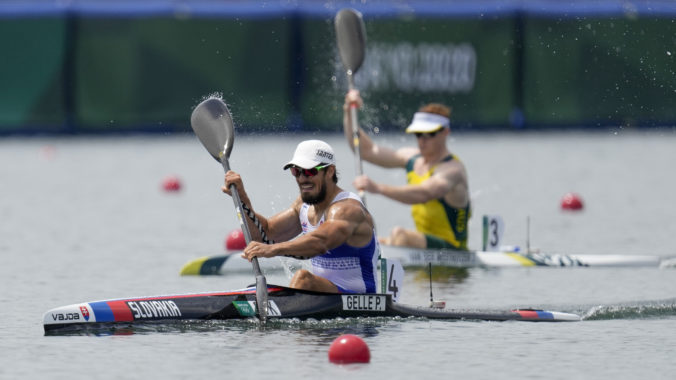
365 326
642 310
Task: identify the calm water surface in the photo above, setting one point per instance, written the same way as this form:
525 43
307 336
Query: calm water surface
86 219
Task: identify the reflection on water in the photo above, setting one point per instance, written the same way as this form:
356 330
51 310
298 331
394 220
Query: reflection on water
324 330
446 275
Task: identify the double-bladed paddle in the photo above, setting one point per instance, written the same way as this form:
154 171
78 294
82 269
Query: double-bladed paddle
351 39
213 125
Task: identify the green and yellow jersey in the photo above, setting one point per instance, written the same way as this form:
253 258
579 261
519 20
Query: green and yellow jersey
443 225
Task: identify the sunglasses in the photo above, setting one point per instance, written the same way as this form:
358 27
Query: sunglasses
296 171
428 135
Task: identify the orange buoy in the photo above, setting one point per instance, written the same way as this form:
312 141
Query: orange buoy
571 201
348 349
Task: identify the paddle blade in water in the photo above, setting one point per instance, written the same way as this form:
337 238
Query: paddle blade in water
351 38
212 124
262 297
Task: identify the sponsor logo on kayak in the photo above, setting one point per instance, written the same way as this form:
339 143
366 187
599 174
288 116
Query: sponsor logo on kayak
248 308
154 309
66 316
451 258
364 302
85 312
244 309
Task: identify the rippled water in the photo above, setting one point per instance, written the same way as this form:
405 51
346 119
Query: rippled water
86 219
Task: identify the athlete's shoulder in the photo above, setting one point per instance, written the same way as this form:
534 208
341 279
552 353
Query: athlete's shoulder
348 208
451 171
451 162
408 152
346 203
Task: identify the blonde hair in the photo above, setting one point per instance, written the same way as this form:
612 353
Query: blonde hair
436 108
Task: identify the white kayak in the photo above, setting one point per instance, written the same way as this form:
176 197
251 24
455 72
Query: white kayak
468 259
231 262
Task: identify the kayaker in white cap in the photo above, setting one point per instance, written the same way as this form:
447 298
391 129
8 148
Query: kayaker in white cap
336 230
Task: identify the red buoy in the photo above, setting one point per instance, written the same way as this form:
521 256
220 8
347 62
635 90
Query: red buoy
348 349
571 201
171 184
235 241
48 152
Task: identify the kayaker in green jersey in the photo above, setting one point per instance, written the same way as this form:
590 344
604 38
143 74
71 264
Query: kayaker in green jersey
437 187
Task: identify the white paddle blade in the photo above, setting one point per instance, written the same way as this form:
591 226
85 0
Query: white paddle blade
351 38
212 124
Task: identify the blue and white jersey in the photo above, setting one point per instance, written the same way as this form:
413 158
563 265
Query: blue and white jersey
351 269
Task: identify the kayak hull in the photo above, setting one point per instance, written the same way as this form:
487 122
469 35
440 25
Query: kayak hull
283 303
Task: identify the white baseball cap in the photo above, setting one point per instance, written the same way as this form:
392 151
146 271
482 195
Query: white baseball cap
311 153
425 122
